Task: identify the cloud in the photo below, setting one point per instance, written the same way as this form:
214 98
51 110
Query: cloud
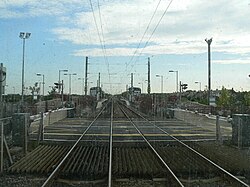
182 31
233 61
123 22
35 8
99 52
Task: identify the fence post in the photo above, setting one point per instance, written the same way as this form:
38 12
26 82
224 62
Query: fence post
240 133
20 130
218 132
2 133
40 130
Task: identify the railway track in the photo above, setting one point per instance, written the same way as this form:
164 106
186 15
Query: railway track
108 161
197 161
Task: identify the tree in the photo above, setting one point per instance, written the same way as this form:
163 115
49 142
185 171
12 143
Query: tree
247 99
34 89
225 98
52 91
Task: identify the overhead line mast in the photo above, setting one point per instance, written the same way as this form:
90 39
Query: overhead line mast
149 89
86 77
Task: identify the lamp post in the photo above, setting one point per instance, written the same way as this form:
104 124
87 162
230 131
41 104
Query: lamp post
82 83
209 68
197 82
39 74
23 36
172 71
161 82
59 82
70 74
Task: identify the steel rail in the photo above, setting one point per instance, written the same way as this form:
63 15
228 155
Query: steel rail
57 169
193 150
153 149
2 119
111 145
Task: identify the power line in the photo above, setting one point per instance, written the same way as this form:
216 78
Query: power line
144 34
155 29
156 26
104 45
98 32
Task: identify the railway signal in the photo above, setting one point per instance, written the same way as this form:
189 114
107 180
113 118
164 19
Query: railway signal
184 86
58 85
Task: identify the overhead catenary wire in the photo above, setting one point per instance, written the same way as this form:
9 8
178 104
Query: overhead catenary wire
158 23
156 26
149 23
103 41
99 36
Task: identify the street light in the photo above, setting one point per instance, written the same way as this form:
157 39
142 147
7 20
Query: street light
172 71
23 36
209 68
59 82
70 74
39 74
82 83
161 82
197 82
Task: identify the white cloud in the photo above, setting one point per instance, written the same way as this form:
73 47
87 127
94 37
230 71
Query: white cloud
34 8
99 52
233 61
182 30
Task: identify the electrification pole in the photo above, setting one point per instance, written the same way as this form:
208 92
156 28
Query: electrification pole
99 86
132 87
149 76
86 76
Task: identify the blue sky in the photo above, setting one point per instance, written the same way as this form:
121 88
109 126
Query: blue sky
64 32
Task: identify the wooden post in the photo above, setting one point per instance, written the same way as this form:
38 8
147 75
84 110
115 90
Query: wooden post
7 150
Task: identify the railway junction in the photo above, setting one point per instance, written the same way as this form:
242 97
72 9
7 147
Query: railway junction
120 146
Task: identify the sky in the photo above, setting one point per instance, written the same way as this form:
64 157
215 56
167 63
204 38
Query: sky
118 36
